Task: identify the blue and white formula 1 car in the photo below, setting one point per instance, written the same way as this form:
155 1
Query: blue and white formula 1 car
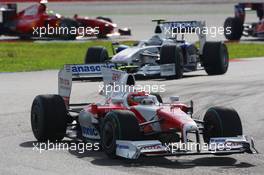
164 55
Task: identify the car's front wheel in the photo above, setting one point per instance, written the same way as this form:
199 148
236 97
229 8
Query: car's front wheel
118 125
233 28
96 54
221 122
172 54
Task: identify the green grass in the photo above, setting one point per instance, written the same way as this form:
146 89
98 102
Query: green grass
27 56
245 50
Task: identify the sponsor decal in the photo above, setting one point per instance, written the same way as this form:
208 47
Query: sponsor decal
89 68
64 82
152 147
235 144
122 146
182 24
217 140
167 70
90 132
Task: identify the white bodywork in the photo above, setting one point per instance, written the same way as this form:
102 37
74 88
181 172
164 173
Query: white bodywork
133 54
149 112
133 149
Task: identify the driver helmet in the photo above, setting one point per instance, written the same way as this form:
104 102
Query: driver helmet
134 99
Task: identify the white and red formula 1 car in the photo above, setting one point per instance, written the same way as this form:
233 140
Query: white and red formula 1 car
134 123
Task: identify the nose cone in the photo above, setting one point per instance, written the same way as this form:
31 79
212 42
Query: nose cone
109 25
176 119
105 26
126 55
190 126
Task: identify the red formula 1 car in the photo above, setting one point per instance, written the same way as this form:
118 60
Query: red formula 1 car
37 21
235 27
131 123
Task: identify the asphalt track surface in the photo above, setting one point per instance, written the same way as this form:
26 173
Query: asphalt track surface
241 88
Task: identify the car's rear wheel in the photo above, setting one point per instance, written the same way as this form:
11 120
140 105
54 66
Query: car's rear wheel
215 58
71 26
171 54
118 125
25 37
233 28
102 34
221 122
48 118
96 54
124 31
1 28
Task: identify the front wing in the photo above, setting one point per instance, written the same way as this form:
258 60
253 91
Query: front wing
230 145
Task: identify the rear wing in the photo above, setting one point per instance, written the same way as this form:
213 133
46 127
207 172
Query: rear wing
8 11
77 72
86 71
8 7
183 26
241 8
80 72
170 29
250 6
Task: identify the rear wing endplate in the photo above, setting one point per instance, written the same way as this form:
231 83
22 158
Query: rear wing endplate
78 72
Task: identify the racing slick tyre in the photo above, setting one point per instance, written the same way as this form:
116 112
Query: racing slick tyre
170 54
25 37
215 58
105 18
158 97
118 125
69 24
1 28
102 34
124 32
221 122
48 118
235 26
96 54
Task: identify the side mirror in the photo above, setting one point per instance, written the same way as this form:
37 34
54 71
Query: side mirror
191 108
174 99
135 61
